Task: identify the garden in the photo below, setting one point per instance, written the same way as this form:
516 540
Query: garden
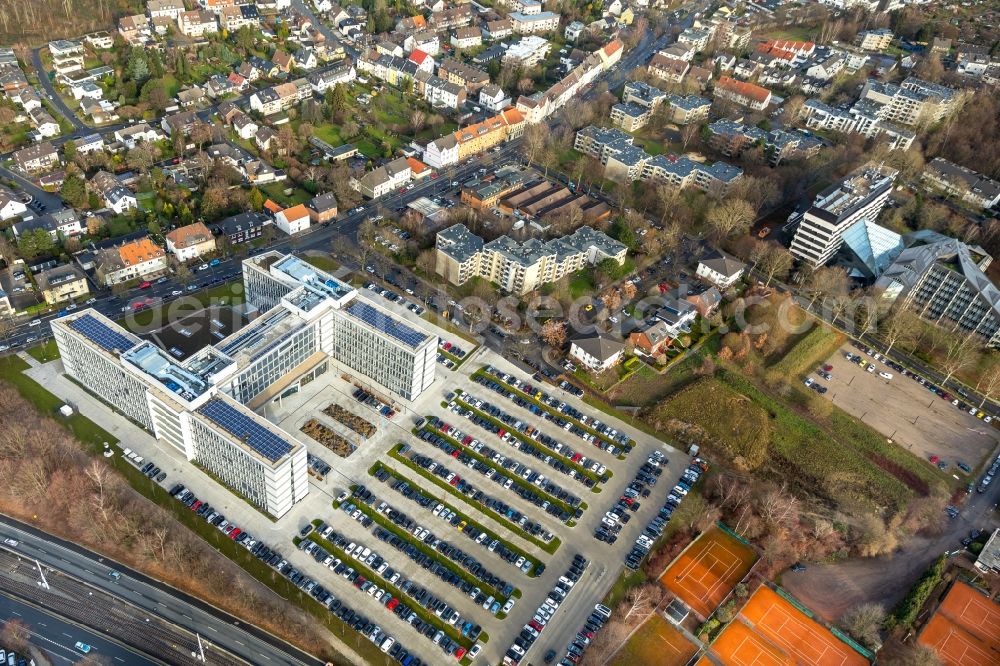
328 438
350 419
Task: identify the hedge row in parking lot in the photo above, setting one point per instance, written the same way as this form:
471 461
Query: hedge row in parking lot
550 547
490 534
548 408
518 481
593 476
430 552
376 579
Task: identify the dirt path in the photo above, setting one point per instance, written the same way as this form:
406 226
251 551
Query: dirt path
830 589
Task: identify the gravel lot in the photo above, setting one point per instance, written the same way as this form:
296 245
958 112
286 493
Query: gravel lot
907 412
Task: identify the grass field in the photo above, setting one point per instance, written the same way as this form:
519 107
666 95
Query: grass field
646 386
835 459
809 351
656 643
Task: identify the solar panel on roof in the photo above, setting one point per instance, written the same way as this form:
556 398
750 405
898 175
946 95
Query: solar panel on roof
245 429
105 337
380 321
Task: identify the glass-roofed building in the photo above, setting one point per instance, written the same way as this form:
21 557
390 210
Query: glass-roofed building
204 406
868 249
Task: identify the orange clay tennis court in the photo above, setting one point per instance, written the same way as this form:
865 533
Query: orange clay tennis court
738 645
794 633
708 570
965 629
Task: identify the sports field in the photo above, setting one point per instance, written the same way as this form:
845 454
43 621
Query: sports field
656 643
708 570
797 635
965 629
738 645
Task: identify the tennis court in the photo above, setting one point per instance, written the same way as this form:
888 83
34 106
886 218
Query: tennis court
965 629
656 643
738 645
707 570
796 634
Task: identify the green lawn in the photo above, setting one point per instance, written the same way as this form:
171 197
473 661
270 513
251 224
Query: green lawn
45 352
323 263
581 284
276 192
329 133
146 200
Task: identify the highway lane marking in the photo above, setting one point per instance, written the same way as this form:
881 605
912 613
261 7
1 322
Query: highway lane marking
212 628
67 635
187 616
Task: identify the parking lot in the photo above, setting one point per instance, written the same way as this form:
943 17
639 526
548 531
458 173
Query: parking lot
908 412
481 497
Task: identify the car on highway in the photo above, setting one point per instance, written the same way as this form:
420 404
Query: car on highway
82 647
176 292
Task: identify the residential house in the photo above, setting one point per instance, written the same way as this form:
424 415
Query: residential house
45 125
323 208
129 261
528 51
197 23
668 69
133 134
190 241
651 338
61 284
245 127
10 205
471 78
474 139
493 98
135 30
443 94
499 29
467 38
596 351
37 158
283 60
293 220
875 40
67 56
241 228
383 179
573 31
721 269
181 122
280 97
168 8
323 81
422 61
426 41
120 199
191 97
266 139
90 143
100 40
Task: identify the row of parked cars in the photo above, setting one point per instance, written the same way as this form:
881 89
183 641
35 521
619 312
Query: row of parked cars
319 466
630 501
610 435
391 602
937 390
372 401
989 476
583 638
493 545
644 542
536 435
525 488
523 435
543 615
489 503
424 536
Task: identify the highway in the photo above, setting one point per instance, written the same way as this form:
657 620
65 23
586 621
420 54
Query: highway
57 636
217 627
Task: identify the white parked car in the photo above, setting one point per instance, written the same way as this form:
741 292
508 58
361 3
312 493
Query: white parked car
885 375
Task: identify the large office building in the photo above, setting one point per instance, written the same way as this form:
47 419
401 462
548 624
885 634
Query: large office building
204 405
860 197
944 280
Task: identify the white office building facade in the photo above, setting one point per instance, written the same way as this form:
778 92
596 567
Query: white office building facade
204 406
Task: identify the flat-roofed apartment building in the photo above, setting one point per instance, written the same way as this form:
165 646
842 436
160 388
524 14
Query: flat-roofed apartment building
521 267
860 196
204 405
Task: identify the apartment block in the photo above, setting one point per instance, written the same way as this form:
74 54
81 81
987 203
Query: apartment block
530 24
745 94
862 118
875 40
688 109
67 56
913 102
62 283
861 196
383 179
130 261
474 139
731 138
962 182
521 267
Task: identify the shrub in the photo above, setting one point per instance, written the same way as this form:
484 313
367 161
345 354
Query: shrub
906 612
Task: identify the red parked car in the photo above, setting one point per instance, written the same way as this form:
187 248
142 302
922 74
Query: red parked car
145 284
235 533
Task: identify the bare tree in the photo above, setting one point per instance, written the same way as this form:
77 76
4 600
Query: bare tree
901 327
914 654
732 217
15 635
688 134
772 260
864 622
961 351
826 281
554 333
989 383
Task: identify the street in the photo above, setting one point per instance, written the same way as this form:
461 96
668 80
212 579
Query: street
245 641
